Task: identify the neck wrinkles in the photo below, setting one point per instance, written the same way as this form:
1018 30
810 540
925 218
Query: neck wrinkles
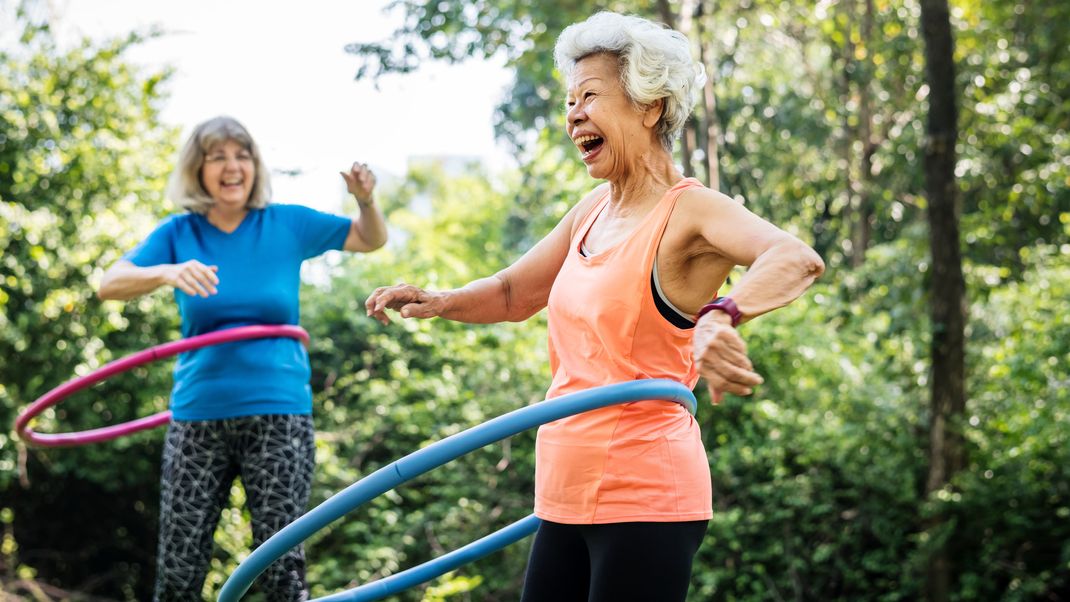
651 176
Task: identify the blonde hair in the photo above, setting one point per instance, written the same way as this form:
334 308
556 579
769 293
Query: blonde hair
655 63
185 186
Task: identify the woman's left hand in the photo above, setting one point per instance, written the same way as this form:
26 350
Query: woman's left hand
360 181
721 356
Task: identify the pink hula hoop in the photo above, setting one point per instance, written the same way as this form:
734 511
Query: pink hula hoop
125 364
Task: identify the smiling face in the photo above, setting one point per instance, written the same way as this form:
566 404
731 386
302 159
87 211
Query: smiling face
611 133
228 174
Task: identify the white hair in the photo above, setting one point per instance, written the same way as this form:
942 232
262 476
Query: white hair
655 63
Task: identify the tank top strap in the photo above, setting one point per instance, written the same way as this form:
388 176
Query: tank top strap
589 218
650 240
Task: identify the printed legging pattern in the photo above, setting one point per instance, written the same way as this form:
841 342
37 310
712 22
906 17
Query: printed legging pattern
274 455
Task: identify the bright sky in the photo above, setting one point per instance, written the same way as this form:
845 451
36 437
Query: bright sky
281 69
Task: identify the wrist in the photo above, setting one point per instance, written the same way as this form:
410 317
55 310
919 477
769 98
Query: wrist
163 274
722 309
718 317
365 203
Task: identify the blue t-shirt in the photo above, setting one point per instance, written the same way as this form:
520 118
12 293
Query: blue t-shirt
259 279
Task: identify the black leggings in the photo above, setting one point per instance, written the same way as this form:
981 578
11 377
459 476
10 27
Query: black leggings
618 562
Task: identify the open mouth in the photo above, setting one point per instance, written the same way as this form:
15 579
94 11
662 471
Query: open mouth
588 144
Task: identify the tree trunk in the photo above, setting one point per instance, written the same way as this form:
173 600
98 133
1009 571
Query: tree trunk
863 223
947 288
710 124
713 127
850 184
683 25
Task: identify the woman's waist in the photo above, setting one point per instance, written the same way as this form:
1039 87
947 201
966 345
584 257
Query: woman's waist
646 420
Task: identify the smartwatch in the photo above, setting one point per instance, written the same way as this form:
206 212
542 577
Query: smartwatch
725 304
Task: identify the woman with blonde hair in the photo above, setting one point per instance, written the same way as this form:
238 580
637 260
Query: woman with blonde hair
243 408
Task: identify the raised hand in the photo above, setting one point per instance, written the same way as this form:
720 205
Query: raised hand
360 182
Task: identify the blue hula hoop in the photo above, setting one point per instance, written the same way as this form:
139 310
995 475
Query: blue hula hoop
428 458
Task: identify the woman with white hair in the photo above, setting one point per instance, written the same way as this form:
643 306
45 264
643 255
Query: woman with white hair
628 275
243 408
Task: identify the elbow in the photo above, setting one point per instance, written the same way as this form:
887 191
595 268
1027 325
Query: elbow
364 239
110 290
516 308
104 290
107 293
799 262
379 243
813 265
522 314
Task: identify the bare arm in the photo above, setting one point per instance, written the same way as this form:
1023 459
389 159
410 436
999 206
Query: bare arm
368 231
124 280
512 295
781 267
777 277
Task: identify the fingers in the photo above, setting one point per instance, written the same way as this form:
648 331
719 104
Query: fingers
360 180
722 360
359 173
715 395
407 300
375 304
734 379
188 283
729 371
196 279
190 290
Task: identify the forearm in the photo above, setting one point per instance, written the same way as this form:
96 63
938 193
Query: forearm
776 278
371 225
124 282
486 301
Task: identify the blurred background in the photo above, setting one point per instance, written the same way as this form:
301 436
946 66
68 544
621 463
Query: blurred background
912 437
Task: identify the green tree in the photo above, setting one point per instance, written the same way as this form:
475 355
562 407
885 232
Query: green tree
947 288
83 159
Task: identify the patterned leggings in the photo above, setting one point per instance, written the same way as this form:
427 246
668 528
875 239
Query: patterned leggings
274 456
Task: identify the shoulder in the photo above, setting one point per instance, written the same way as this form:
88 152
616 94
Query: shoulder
176 222
294 212
282 215
285 209
701 206
704 199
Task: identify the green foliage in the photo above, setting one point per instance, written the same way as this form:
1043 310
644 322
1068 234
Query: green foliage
1015 156
82 165
389 391
1012 506
819 477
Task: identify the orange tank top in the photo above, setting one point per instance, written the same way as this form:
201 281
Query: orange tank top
641 461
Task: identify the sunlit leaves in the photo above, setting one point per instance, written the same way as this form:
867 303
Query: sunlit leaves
83 160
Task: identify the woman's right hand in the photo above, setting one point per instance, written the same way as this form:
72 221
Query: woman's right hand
721 357
193 278
407 300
